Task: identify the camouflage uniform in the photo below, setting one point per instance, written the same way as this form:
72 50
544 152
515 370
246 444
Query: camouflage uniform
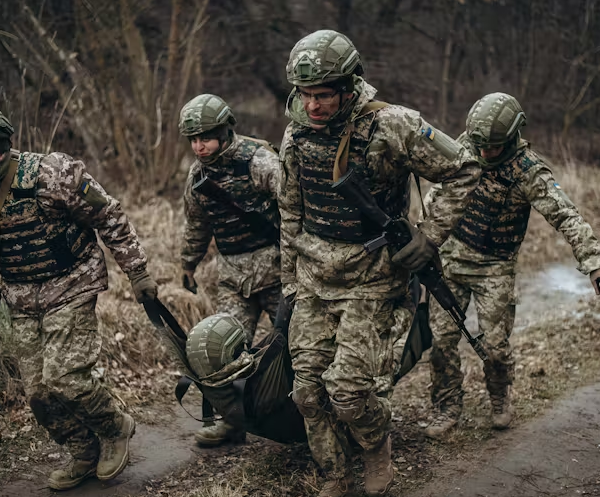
488 273
340 331
53 304
248 263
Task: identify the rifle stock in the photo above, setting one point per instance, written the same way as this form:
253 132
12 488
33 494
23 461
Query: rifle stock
395 232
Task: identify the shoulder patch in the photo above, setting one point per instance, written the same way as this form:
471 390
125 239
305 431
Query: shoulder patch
91 195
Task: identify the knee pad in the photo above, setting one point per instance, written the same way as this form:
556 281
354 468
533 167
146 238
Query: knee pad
310 398
350 410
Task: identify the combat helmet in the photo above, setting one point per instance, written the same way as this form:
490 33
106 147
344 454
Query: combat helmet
6 128
321 58
204 113
213 343
495 120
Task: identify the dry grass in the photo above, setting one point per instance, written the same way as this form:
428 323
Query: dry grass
552 358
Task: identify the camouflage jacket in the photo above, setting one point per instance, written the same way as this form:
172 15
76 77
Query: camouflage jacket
66 190
401 143
246 273
540 189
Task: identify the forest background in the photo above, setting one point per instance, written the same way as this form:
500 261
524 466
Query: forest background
104 81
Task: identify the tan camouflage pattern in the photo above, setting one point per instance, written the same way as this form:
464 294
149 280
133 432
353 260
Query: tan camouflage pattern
339 270
344 355
59 196
247 281
340 335
541 190
57 350
247 309
264 170
27 238
491 281
494 298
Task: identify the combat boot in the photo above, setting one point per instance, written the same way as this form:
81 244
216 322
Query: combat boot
339 487
219 433
379 472
63 479
114 452
502 411
441 424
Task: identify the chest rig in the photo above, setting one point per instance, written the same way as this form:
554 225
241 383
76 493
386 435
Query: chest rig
34 248
326 213
235 233
495 221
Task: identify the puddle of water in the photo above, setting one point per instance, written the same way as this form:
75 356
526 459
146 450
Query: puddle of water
553 291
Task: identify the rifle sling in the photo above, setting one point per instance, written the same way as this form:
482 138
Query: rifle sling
341 157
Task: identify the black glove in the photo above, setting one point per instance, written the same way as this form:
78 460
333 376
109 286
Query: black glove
189 283
418 252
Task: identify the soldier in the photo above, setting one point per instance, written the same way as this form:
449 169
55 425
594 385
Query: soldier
243 173
480 256
52 270
339 333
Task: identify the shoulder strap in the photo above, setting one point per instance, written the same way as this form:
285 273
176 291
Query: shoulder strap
418 183
7 181
341 157
263 143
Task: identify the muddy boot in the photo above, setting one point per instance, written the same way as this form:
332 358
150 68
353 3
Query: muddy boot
63 479
339 487
114 452
379 472
219 433
443 422
502 411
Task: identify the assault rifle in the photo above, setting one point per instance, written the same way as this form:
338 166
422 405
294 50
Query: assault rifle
257 221
353 189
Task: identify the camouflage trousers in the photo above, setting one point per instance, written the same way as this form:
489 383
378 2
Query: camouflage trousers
248 309
57 351
339 348
495 305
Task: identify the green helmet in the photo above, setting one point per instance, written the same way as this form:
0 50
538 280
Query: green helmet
495 120
322 57
204 113
213 343
6 129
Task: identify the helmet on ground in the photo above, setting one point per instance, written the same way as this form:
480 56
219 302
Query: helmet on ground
6 128
495 120
213 343
321 58
204 113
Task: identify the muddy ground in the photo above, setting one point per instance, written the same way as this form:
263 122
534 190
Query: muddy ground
553 448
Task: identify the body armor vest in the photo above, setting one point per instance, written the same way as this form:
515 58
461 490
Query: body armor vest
32 247
495 222
326 213
233 231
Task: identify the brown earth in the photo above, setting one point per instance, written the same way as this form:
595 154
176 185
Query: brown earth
553 449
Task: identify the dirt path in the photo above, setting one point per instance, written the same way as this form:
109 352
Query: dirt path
155 451
557 454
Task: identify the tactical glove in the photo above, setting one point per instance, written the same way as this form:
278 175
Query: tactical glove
189 283
144 287
595 277
418 252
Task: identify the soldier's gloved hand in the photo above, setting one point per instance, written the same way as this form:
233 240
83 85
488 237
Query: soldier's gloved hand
594 277
189 283
144 287
418 252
